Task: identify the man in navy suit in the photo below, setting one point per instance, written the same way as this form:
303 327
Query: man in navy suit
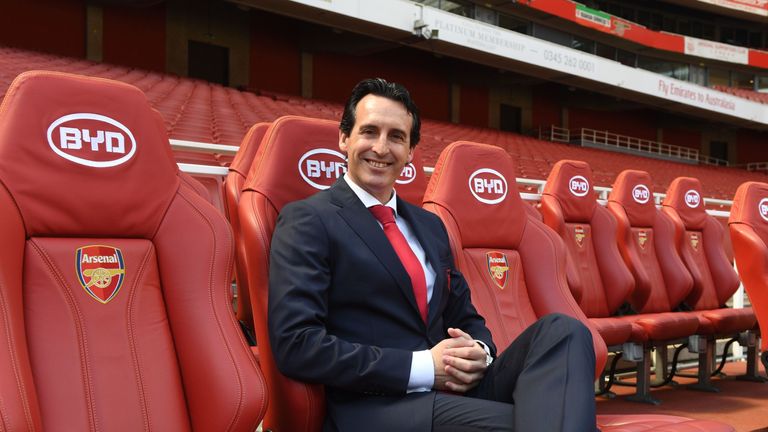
396 341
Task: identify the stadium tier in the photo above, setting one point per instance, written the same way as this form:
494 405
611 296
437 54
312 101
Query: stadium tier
204 112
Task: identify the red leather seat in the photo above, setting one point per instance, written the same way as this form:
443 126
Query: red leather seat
700 244
748 224
115 276
298 157
233 185
596 271
514 264
494 223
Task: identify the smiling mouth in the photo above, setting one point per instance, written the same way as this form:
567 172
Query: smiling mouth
377 164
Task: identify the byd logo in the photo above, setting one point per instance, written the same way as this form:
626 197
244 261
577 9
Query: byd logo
692 198
320 168
641 194
763 208
92 140
407 175
488 186
578 186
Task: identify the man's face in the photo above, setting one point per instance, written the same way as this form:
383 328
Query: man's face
379 146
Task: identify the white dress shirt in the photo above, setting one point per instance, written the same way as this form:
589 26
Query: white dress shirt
422 376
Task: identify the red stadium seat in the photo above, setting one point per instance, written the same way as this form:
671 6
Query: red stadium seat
497 224
297 157
700 243
597 272
112 316
233 186
748 224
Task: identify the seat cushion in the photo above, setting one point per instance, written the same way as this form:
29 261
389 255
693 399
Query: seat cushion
614 330
666 325
657 423
727 320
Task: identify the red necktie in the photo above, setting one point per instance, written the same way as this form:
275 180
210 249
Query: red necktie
386 215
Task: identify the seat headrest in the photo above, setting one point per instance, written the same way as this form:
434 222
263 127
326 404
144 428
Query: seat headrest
570 182
633 191
412 182
242 161
476 184
84 157
684 195
750 207
299 156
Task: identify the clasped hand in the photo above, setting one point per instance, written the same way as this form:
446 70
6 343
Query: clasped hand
459 362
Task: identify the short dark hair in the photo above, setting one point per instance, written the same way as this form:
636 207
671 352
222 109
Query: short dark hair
389 90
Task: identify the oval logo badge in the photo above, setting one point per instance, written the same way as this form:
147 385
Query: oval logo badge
92 140
407 175
488 186
578 185
320 168
762 207
692 198
641 194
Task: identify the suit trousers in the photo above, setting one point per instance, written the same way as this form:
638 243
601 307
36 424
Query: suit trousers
544 381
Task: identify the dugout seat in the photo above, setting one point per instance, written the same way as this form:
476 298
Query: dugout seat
748 224
699 240
233 185
112 314
596 271
496 224
589 231
298 157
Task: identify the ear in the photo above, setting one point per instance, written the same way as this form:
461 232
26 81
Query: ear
410 154
343 142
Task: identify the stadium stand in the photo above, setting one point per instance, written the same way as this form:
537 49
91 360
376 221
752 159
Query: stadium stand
750 237
140 332
209 113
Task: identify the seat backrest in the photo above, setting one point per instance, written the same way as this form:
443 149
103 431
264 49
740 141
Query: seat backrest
700 243
646 239
513 263
233 186
597 271
114 276
298 157
748 224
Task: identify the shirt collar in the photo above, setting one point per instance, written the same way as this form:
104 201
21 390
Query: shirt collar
368 199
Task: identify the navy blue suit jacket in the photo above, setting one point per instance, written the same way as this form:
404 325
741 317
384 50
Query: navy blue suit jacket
342 311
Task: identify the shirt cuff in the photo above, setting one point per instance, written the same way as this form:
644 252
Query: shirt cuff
488 357
422 372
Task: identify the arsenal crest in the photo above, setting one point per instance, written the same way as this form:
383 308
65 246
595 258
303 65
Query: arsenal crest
100 270
579 235
498 268
694 237
642 237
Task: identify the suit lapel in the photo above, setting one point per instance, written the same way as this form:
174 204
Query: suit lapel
430 250
362 222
